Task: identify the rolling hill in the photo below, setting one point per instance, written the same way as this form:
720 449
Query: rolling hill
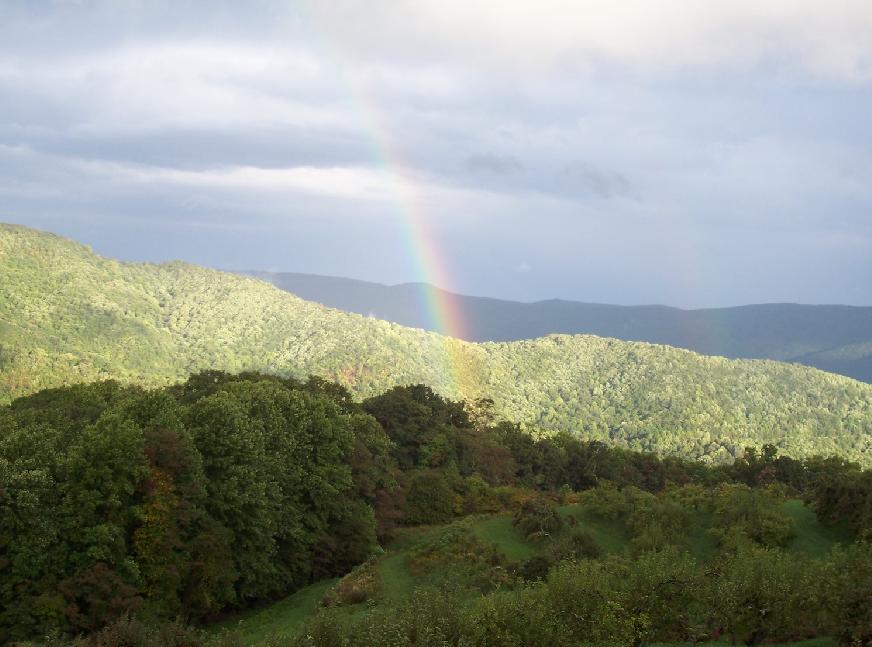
830 337
68 315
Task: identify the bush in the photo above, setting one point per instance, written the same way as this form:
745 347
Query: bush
847 590
431 499
575 544
755 514
537 519
362 584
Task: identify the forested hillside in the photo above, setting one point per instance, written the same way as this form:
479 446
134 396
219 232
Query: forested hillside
68 315
830 337
140 517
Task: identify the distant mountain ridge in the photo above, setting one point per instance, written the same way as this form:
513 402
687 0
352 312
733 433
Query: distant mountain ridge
68 315
833 338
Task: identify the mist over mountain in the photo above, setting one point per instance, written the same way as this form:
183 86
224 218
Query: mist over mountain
833 338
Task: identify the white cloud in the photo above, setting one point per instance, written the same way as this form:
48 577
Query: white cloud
586 138
191 84
830 39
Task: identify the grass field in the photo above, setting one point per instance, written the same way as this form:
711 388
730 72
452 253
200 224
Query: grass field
499 530
286 617
812 537
283 618
398 582
609 534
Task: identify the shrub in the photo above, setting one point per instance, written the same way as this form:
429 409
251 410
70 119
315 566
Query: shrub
362 584
537 519
576 544
430 500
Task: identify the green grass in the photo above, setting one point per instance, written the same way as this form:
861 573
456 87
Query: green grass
499 530
609 534
398 582
283 618
812 537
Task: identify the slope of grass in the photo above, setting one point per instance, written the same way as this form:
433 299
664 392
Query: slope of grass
69 315
813 537
499 531
398 582
609 534
285 618
282 619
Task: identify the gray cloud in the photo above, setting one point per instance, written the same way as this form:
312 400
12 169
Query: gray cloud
492 163
718 154
602 183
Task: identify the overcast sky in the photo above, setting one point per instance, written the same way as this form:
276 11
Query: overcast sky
693 153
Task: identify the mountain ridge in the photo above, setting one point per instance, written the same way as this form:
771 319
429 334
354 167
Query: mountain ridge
68 315
822 336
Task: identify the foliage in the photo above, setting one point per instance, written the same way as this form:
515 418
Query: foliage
122 508
172 504
362 584
537 519
844 496
846 591
830 337
754 514
69 316
758 594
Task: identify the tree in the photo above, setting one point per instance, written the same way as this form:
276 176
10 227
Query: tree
431 499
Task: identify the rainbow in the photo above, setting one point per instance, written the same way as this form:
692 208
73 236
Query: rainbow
431 271
430 268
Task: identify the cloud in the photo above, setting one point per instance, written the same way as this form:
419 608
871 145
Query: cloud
491 163
637 145
604 184
192 84
654 36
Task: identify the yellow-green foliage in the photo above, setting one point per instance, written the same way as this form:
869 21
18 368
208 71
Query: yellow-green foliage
68 315
362 584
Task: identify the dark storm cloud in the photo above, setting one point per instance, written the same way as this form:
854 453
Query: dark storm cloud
682 152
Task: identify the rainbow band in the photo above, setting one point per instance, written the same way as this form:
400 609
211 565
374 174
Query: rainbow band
429 265
443 313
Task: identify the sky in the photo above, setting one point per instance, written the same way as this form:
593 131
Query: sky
690 153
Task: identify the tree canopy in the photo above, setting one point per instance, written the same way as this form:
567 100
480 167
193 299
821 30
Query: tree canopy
68 315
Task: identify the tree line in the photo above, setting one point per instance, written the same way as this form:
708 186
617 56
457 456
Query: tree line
69 316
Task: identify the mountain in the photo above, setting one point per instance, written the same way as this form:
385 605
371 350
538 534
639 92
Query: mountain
830 337
68 315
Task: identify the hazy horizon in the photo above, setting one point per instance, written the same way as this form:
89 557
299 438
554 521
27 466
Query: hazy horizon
244 270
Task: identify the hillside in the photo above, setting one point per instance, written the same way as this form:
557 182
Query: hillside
394 583
68 315
832 338
213 498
